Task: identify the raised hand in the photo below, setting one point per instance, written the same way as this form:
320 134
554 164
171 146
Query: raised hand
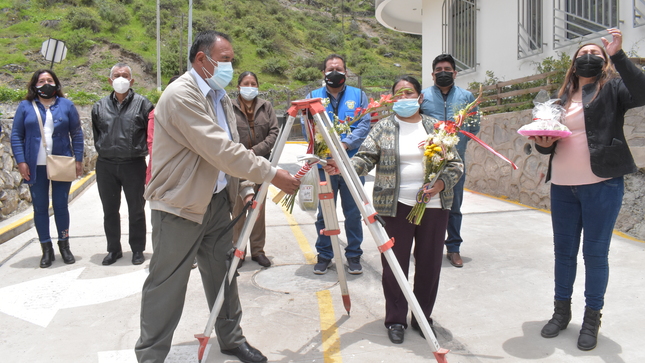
616 41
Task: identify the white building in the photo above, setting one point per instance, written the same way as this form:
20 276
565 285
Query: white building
510 37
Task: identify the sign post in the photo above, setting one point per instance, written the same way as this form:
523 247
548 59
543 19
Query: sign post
54 50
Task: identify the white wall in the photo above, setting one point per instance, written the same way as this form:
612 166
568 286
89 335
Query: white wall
497 39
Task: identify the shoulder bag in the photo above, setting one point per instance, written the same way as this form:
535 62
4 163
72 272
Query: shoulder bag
59 167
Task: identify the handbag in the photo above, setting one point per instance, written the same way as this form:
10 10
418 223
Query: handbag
59 167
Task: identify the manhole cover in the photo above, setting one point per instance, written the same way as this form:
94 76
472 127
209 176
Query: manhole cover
294 278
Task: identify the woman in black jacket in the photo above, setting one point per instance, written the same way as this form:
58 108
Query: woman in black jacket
586 171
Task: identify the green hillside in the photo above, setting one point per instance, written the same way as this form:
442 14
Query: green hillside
283 41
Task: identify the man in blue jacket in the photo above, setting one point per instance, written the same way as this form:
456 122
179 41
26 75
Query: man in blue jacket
341 100
441 101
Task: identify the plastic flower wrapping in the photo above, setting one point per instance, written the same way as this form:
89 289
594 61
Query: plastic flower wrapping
548 118
318 146
438 148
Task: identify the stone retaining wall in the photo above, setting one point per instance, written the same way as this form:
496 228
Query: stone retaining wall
489 174
486 173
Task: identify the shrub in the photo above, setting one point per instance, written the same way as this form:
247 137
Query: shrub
78 43
83 19
11 95
306 74
275 66
82 98
261 52
114 14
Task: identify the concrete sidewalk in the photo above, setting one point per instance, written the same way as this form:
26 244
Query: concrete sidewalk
491 310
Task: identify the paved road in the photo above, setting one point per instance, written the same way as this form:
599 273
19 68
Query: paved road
491 310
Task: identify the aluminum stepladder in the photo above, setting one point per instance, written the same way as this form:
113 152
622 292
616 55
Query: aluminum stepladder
371 218
259 200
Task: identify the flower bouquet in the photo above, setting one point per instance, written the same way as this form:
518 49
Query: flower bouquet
439 148
318 146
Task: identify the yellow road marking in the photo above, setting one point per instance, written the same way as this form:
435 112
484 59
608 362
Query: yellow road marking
328 327
27 218
505 199
310 255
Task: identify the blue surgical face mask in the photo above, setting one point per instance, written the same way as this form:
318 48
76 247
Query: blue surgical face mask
222 77
406 107
248 93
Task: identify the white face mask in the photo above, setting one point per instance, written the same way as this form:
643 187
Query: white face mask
222 75
248 93
121 85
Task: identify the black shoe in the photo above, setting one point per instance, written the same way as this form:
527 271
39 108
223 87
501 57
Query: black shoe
262 260
112 257
588 338
559 321
321 266
396 332
48 254
414 324
246 353
68 257
354 265
137 258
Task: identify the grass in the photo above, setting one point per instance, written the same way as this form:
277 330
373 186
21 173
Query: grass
299 38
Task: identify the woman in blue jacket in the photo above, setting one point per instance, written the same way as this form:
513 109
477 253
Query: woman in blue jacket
63 136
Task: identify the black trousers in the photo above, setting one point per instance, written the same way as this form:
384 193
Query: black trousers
428 239
130 177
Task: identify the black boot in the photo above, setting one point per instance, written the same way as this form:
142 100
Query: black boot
48 254
560 320
63 246
589 332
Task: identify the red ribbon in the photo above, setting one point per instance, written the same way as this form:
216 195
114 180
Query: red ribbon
487 147
305 168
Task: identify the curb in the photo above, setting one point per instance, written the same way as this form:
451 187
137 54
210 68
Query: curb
23 224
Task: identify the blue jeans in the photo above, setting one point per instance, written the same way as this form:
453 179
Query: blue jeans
353 226
40 202
453 241
594 208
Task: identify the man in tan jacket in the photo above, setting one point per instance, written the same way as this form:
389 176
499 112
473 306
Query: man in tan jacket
194 184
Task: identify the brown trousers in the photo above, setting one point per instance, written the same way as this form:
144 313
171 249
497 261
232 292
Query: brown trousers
258 233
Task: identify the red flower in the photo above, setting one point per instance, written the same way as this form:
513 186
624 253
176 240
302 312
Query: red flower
450 127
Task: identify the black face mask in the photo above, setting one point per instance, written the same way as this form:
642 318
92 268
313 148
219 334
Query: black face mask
589 65
335 79
444 79
46 91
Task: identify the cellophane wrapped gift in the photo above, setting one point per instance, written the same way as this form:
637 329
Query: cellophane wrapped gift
548 118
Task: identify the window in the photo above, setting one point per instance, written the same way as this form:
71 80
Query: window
577 20
639 13
529 28
458 35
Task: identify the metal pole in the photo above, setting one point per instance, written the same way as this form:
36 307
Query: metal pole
181 45
54 55
158 48
190 33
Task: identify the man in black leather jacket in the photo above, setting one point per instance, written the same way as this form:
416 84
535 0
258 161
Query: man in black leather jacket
120 123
